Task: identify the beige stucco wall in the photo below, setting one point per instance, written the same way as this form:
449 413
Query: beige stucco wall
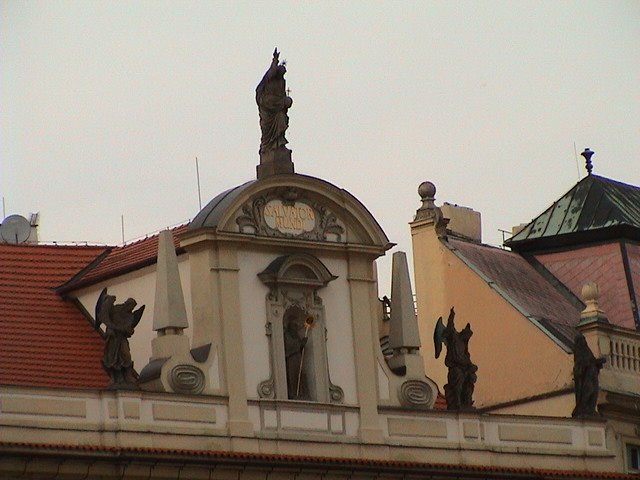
131 419
139 285
515 358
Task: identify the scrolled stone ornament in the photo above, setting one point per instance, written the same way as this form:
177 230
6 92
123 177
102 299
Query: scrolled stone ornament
415 393
186 379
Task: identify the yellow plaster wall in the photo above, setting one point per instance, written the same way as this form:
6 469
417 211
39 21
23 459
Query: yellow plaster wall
515 358
541 407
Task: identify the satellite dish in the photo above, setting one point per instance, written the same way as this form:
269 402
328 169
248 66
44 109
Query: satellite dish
15 229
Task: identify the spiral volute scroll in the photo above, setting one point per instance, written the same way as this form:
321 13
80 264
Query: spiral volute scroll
186 379
415 393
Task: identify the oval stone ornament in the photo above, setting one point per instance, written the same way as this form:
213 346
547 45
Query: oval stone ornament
293 219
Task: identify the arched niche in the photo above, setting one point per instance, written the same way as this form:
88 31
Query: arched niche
297 331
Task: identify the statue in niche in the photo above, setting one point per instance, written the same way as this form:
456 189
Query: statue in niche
462 372
586 368
296 336
273 103
120 321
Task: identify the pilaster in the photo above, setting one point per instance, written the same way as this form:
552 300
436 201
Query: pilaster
361 285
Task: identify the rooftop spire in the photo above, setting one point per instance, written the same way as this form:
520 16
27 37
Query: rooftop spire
587 154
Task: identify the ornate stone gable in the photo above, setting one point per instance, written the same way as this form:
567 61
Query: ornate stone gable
289 212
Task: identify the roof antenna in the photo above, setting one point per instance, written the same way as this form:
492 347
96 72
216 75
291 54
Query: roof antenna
587 154
575 154
198 178
122 226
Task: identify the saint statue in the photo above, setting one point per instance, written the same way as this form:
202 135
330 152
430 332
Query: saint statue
273 103
586 368
461 377
295 341
120 321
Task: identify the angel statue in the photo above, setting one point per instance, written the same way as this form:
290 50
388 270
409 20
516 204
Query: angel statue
462 372
120 321
273 103
586 368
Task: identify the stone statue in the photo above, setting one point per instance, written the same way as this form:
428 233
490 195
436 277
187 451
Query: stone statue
273 103
586 368
120 321
294 343
462 372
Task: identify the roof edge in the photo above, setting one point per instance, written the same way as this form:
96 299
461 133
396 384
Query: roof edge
269 460
77 278
555 336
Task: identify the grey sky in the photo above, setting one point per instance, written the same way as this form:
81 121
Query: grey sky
105 105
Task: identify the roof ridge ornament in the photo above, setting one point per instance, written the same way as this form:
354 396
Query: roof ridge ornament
587 154
272 97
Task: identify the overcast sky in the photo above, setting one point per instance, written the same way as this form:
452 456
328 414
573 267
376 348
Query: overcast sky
105 105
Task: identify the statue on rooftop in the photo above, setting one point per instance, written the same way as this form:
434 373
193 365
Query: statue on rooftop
273 103
462 372
586 368
120 321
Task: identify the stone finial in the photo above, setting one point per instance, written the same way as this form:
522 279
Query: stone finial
409 386
587 154
428 209
403 335
592 312
427 192
169 313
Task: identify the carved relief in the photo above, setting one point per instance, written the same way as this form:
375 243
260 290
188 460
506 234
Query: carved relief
266 388
186 379
287 213
415 393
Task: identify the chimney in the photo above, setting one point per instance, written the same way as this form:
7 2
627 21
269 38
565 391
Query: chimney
463 221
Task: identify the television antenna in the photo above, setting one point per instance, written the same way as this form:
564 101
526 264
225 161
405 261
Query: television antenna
15 229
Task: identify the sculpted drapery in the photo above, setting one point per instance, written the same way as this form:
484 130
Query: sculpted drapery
273 104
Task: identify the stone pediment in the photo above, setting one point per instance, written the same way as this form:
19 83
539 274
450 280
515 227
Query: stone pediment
292 207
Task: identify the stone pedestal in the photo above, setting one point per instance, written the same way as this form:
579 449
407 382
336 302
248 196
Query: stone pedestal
275 162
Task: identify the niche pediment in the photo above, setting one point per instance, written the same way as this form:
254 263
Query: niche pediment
296 269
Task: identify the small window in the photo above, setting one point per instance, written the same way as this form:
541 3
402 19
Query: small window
633 458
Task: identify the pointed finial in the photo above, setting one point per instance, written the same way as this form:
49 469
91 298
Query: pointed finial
403 333
170 313
587 154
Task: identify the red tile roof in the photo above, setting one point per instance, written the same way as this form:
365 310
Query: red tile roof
602 264
441 402
422 469
123 259
45 340
521 284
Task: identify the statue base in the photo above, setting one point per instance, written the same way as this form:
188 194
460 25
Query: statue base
275 162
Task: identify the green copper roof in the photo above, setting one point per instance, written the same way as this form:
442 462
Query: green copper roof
596 208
